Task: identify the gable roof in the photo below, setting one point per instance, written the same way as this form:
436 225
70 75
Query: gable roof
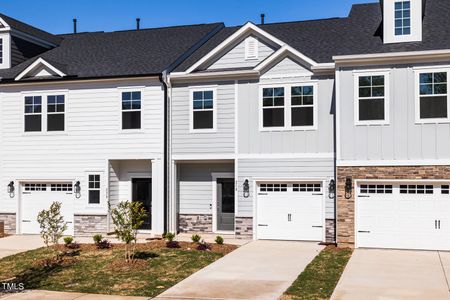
359 33
121 53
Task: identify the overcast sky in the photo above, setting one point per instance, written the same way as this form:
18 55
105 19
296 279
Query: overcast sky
108 15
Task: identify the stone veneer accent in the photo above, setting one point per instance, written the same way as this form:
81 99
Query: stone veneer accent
90 224
194 223
10 222
346 207
329 231
244 227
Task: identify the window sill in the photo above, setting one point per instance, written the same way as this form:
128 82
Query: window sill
372 123
291 129
45 133
131 131
202 131
432 121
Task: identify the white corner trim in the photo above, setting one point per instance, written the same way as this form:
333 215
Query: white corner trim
243 30
39 61
282 51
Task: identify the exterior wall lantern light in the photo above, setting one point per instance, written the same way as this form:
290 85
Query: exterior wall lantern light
77 189
11 189
246 188
331 189
348 188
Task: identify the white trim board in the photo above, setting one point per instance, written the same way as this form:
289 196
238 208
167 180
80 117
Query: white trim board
381 163
214 177
39 61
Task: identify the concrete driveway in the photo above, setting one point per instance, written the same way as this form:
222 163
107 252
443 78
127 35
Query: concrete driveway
258 270
19 243
395 274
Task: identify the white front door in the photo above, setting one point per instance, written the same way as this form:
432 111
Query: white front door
36 197
290 211
403 215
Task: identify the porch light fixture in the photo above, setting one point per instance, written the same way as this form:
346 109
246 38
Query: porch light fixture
246 188
348 188
331 189
77 189
11 189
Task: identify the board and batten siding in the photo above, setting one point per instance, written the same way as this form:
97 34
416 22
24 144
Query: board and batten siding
185 142
282 168
402 138
235 57
93 136
253 140
195 186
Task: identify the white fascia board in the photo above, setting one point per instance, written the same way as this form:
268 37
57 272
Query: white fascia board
324 67
282 51
224 74
39 61
5 25
243 30
393 55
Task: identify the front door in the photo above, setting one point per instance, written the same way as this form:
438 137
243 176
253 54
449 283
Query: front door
142 192
225 204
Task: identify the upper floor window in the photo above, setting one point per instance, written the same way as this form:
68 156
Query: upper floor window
371 99
1 51
131 110
302 106
402 18
203 109
55 113
433 97
251 48
33 113
273 107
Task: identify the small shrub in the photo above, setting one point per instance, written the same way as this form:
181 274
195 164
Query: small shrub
219 240
52 224
169 236
103 244
73 245
203 246
196 238
68 240
97 238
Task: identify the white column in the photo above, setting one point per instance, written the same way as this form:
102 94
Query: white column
157 196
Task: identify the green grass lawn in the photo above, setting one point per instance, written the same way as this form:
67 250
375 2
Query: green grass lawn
90 270
320 277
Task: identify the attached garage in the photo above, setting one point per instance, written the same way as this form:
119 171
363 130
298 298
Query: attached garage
403 215
290 211
38 196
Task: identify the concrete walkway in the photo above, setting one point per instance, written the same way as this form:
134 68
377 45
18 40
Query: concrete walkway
19 243
258 270
395 274
47 295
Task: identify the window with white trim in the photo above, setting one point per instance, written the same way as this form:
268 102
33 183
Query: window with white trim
61 187
33 113
402 18
273 187
307 187
131 110
302 105
416 189
94 188
433 96
203 109
1 51
273 107
371 99
251 48
55 112
376 189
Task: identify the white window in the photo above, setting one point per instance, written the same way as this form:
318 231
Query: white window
251 48
33 113
203 110
131 110
289 107
94 188
55 113
372 99
402 18
432 101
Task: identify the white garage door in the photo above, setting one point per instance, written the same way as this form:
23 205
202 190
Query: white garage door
403 215
38 196
290 211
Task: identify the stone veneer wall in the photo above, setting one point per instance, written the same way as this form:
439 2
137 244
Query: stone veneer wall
195 223
90 224
329 231
346 207
10 222
244 227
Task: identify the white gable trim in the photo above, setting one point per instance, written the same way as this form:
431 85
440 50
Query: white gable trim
5 25
39 61
286 49
248 27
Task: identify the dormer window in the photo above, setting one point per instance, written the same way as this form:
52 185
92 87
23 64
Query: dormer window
251 48
402 18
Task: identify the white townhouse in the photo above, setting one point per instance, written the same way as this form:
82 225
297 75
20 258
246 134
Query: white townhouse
82 122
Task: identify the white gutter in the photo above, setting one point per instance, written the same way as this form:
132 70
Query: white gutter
209 75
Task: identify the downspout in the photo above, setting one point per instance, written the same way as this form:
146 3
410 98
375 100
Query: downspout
166 151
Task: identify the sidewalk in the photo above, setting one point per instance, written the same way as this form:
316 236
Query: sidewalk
47 295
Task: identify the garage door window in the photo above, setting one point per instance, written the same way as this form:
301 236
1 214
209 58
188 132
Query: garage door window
445 189
63 187
416 189
376 189
307 187
33 187
94 189
273 187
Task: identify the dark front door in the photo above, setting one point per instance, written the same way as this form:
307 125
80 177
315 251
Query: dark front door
142 192
225 204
